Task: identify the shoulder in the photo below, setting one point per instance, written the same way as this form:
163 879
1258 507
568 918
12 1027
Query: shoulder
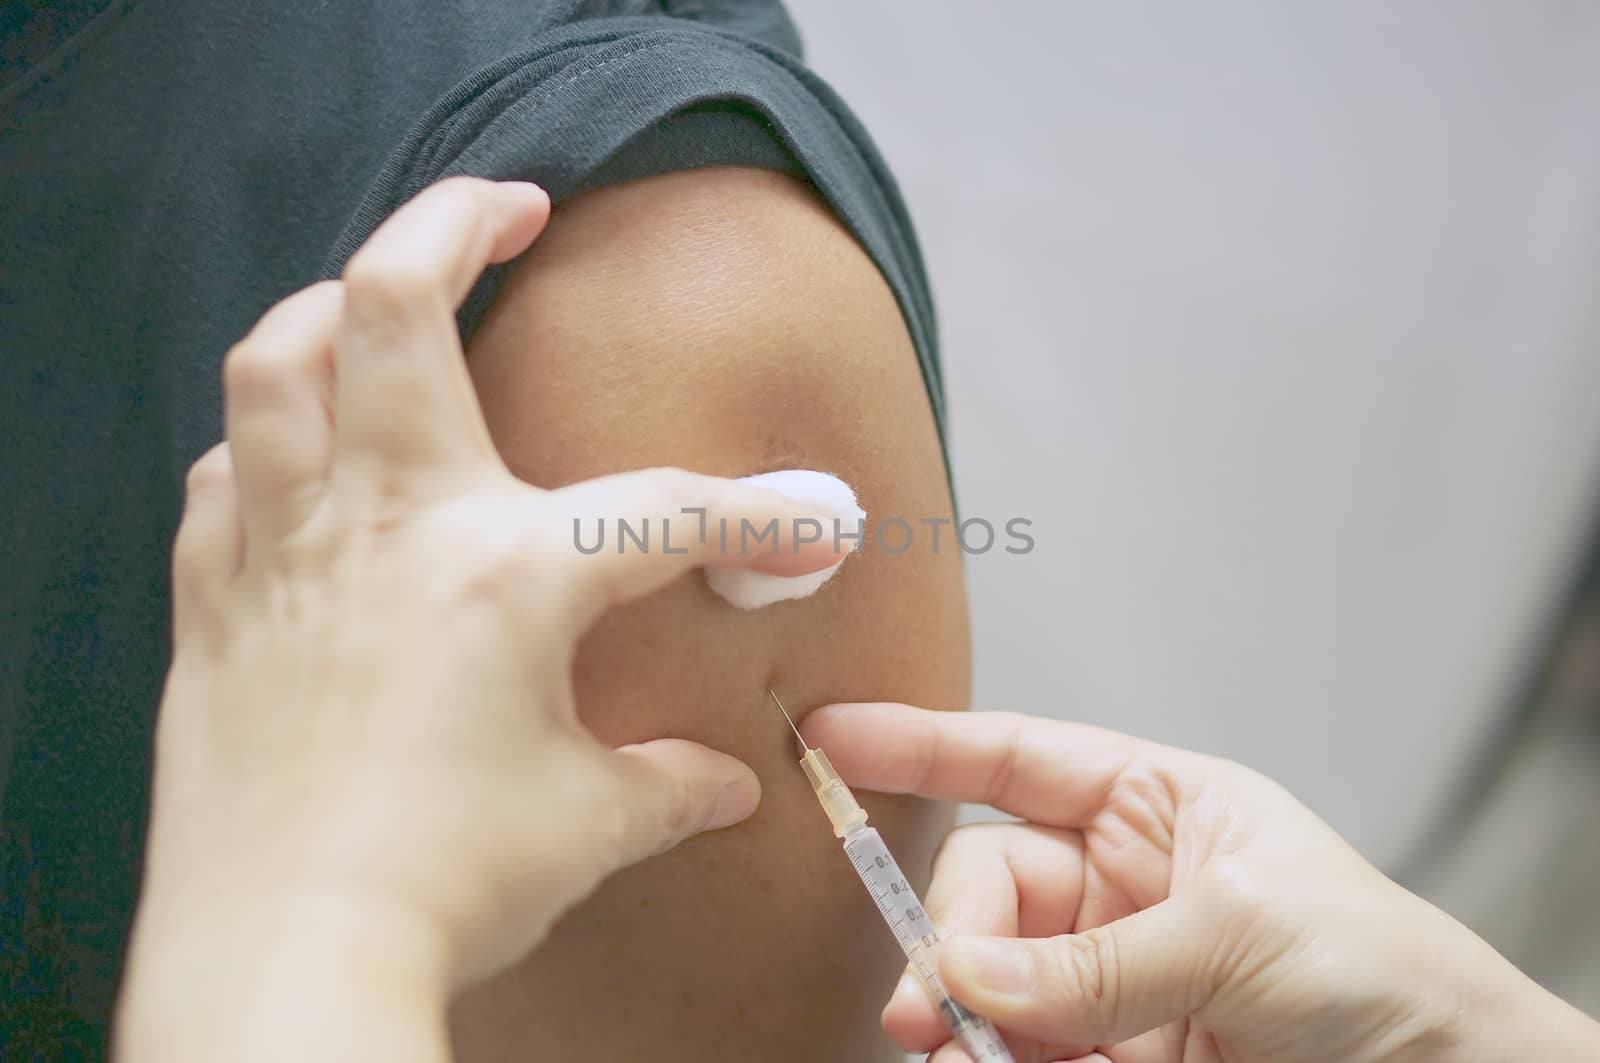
723 301
722 320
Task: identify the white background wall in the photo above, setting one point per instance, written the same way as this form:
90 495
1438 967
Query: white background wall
1280 323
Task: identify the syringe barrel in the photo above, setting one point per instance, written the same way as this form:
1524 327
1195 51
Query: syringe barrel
902 911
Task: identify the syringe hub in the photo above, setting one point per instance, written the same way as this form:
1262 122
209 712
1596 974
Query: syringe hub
835 797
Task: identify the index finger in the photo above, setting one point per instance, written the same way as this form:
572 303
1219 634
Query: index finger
1045 771
404 395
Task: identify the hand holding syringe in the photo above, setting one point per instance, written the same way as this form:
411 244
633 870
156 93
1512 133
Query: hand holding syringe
896 901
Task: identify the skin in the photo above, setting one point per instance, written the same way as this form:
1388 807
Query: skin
353 821
724 321
371 785
1159 906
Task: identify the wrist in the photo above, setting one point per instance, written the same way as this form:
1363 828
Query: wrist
1503 1014
303 976
1533 1023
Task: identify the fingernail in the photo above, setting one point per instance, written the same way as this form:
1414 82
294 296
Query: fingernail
735 803
523 191
832 498
999 966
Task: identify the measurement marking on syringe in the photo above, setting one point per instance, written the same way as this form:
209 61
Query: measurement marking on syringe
894 898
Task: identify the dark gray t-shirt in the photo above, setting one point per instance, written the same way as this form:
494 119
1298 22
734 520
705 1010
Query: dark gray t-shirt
168 170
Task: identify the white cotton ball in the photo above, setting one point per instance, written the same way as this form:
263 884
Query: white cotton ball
828 496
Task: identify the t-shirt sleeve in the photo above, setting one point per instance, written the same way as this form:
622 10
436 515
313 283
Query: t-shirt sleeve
605 101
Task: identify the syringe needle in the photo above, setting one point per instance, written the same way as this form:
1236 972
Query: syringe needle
786 716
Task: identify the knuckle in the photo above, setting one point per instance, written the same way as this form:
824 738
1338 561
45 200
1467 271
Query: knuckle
642 821
612 828
664 494
1252 922
185 551
502 569
1004 776
1148 796
675 489
461 189
1232 893
679 812
282 351
956 846
253 369
324 289
963 849
390 286
211 469
1085 971
377 281
194 553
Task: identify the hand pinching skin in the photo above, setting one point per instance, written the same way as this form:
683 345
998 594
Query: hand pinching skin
367 744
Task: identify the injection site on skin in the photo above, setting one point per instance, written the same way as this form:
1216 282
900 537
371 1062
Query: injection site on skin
825 494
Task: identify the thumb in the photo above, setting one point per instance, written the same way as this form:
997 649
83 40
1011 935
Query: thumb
673 789
1103 986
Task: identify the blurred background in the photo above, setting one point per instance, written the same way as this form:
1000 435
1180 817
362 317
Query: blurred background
1282 325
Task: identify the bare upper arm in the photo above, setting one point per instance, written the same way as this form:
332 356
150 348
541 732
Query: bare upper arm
723 320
